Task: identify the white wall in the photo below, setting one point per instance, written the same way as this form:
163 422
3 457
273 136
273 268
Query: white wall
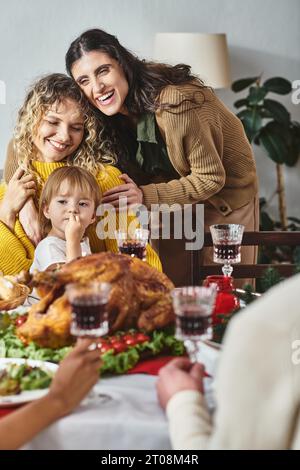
263 36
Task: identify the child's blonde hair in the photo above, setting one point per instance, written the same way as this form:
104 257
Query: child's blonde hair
78 178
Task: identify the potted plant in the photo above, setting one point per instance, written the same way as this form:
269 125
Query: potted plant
268 124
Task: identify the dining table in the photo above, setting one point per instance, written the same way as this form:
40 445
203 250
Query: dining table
121 413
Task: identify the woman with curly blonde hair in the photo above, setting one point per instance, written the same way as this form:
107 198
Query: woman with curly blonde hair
55 127
52 91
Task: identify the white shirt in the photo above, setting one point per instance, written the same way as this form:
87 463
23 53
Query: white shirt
257 383
53 250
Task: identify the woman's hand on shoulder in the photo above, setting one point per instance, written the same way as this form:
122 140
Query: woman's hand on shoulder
129 190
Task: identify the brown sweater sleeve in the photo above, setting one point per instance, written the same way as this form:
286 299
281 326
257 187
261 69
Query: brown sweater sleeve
208 147
194 147
11 162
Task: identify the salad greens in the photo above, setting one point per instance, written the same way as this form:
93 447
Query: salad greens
15 378
12 346
161 341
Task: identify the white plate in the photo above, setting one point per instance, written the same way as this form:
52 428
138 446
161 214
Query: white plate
28 395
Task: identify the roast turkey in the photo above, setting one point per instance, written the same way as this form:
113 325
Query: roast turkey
140 297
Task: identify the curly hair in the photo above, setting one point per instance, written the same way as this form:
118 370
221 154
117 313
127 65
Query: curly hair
94 150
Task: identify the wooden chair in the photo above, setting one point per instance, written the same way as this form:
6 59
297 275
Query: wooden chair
243 271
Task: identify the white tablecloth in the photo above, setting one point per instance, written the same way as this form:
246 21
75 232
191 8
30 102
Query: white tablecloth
129 419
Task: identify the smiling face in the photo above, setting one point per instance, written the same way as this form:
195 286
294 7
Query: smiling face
103 81
60 131
69 200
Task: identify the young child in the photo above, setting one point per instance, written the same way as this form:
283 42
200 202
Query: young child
68 205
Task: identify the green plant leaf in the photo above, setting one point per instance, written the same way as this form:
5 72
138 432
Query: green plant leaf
266 114
240 85
279 112
294 219
274 144
283 131
278 85
296 255
271 278
266 223
291 139
251 120
256 95
295 134
256 139
296 126
240 103
292 156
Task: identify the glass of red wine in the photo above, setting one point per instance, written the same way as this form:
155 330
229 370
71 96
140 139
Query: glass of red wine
133 244
193 307
90 318
227 239
89 308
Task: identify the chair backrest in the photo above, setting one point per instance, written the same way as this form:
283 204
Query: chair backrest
243 271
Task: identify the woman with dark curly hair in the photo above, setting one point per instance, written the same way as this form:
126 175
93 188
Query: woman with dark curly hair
174 138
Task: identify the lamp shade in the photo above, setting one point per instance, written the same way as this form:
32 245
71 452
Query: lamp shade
207 54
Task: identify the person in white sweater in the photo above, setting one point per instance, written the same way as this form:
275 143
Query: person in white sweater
257 382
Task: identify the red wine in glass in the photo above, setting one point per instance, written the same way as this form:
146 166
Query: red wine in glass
134 249
193 323
89 316
227 252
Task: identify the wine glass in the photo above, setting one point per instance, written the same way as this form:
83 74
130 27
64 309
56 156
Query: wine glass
227 239
89 309
193 308
90 315
133 244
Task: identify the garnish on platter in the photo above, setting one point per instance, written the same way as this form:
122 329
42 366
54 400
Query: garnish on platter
24 380
120 352
17 377
139 298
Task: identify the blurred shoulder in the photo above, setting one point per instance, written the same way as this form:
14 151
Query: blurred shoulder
278 308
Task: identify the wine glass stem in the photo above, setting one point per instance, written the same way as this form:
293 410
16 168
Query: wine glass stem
192 349
227 269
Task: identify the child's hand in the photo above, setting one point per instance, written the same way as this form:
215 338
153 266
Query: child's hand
74 230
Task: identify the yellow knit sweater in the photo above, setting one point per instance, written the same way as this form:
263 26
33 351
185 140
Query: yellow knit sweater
16 250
